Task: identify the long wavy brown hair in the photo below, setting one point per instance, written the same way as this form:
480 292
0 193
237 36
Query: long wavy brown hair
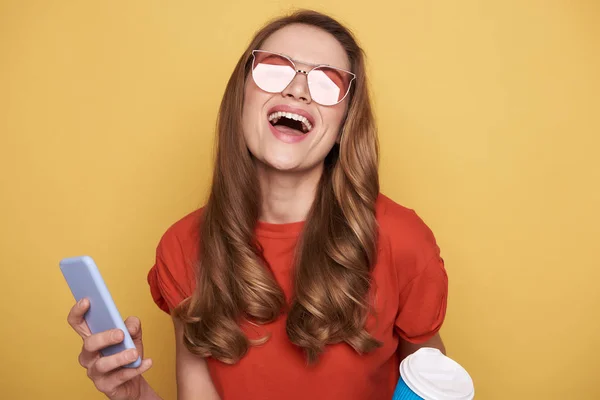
335 252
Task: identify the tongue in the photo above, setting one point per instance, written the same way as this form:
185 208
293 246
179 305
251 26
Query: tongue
288 131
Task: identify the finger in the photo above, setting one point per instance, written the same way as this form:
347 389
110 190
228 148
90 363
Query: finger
126 374
101 340
86 358
105 365
110 384
76 318
134 326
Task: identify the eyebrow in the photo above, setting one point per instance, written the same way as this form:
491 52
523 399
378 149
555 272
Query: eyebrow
304 62
307 63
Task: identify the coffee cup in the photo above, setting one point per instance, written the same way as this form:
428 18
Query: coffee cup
428 374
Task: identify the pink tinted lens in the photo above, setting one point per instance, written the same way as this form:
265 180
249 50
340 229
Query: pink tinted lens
271 72
328 86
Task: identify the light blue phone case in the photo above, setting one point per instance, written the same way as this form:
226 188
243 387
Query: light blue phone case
84 280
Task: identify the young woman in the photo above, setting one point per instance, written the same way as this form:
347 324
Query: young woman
298 279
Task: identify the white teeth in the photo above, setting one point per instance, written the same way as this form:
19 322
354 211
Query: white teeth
306 125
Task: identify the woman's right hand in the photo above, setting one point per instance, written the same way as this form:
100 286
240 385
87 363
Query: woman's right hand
115 382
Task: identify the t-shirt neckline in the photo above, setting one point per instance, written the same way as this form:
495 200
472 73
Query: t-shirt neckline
285 230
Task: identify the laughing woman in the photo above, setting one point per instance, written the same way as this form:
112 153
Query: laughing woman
298 279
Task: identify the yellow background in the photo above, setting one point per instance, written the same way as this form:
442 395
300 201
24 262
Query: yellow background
489 126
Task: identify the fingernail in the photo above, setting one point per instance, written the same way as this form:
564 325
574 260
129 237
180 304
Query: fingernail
117 335
132 355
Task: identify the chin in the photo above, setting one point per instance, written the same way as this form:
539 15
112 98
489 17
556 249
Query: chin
283 165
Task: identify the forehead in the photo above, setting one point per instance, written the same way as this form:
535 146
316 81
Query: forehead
308 44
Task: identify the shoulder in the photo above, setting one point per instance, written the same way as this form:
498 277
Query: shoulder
172 277
182 234
405 236
402 224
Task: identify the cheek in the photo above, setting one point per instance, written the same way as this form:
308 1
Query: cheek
254 99
249 114
333 118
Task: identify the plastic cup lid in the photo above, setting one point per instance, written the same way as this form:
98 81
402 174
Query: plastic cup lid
433 376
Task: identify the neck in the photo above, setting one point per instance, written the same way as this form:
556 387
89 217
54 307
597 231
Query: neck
287 196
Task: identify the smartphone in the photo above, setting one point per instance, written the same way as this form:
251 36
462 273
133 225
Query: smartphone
84 280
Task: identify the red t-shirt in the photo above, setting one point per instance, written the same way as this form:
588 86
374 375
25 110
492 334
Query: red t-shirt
410 285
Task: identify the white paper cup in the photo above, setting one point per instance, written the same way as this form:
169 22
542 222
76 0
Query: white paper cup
427 374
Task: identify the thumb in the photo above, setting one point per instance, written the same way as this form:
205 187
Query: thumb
134 326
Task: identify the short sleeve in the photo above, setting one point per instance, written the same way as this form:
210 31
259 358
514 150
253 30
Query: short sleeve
172 278
422 282
423 303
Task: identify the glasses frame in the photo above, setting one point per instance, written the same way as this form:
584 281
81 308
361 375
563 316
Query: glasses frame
304 72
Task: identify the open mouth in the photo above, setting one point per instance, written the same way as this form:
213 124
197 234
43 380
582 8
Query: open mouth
290 123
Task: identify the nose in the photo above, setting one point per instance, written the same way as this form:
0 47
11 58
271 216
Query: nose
298 88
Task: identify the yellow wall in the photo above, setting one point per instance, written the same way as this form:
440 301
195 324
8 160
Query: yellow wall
489 118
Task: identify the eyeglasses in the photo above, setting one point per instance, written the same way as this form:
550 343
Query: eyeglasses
273 72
